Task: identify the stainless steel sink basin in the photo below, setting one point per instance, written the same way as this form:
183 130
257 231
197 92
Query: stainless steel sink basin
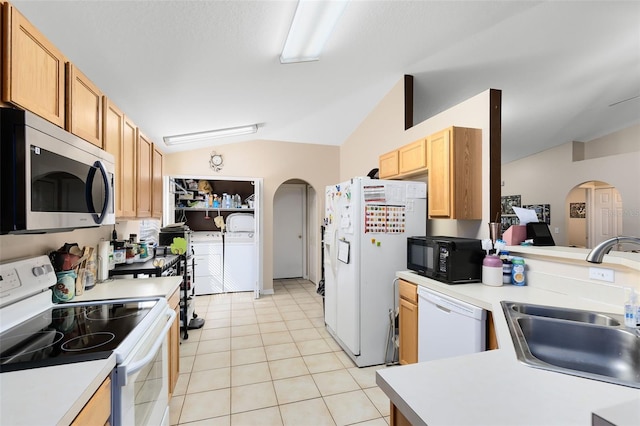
593 345
565 313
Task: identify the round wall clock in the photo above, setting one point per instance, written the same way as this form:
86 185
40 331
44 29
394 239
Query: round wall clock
215 162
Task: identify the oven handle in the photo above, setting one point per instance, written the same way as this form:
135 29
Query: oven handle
136 366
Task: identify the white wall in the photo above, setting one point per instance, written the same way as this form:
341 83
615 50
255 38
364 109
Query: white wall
383 131
549 176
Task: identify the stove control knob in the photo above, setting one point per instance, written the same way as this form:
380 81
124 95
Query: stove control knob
48 268
38 270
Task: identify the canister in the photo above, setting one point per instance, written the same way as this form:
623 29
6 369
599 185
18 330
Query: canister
492 271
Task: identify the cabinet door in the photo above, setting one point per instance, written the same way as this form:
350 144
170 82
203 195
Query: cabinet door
174 342
408 332
413 157
33 69
129 168
113 142
156 184
439 156
98 410
84 107
143 205
466 173
388 165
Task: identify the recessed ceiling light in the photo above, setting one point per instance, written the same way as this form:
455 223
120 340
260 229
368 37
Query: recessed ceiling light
312 25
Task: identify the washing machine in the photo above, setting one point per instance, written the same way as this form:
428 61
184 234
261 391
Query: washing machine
209 263
240 253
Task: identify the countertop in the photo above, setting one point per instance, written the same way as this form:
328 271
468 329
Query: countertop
55 395
493 387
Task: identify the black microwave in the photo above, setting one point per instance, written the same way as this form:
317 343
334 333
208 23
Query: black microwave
51 179
452 260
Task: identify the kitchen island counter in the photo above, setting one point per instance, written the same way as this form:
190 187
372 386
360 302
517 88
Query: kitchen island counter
493 387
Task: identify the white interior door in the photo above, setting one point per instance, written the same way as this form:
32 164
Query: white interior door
607 215
289 211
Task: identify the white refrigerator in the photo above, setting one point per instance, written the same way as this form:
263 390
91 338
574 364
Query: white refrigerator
367 222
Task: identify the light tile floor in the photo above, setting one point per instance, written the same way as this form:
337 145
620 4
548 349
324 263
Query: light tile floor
270 361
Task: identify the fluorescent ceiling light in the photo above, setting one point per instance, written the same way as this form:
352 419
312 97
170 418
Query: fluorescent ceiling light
211 134
312 25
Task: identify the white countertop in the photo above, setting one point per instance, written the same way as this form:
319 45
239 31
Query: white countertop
131 288
493 387
55 395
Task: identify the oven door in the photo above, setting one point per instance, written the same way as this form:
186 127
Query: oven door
141 382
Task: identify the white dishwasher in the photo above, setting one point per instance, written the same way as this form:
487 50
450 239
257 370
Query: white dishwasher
448 327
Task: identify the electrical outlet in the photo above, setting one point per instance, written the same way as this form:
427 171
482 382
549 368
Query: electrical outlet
601 274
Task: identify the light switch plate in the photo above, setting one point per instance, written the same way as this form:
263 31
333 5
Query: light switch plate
602 274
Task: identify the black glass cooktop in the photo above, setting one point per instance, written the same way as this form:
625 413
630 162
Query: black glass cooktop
67 333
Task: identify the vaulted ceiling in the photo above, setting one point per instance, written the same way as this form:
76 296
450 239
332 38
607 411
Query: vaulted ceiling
189 66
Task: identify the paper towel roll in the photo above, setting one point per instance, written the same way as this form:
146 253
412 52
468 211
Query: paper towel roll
103 260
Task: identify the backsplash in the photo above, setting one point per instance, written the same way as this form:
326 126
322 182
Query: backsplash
545 274
19 246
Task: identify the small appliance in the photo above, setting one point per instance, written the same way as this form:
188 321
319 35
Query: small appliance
452 260
51 179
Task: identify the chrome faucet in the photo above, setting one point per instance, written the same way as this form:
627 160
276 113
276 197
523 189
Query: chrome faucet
598 252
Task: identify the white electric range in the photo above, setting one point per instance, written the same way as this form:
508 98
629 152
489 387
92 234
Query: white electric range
35 333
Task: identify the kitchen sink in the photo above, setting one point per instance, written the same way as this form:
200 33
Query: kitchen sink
565 314
592 345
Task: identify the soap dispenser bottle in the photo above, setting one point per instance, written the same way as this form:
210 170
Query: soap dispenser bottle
631 310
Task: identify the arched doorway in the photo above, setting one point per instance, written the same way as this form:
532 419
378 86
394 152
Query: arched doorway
295 245
594 214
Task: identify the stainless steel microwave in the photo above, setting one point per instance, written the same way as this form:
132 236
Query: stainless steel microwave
51 180
452 260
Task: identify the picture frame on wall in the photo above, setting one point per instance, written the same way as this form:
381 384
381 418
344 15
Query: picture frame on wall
577 210
543 211
509 202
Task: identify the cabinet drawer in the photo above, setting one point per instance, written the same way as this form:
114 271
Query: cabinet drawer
408 291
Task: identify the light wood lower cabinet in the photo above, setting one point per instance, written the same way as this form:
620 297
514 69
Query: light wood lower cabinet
408 322
98 410
397 418
174 342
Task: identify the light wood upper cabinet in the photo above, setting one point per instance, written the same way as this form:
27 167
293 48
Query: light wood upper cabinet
408 322
413 157
84 107
408 160
156 183
129 169
144 156
388 165
33 69
113 141
455 173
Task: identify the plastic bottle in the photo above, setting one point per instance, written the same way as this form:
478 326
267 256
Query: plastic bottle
492 271
517 272
631 310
